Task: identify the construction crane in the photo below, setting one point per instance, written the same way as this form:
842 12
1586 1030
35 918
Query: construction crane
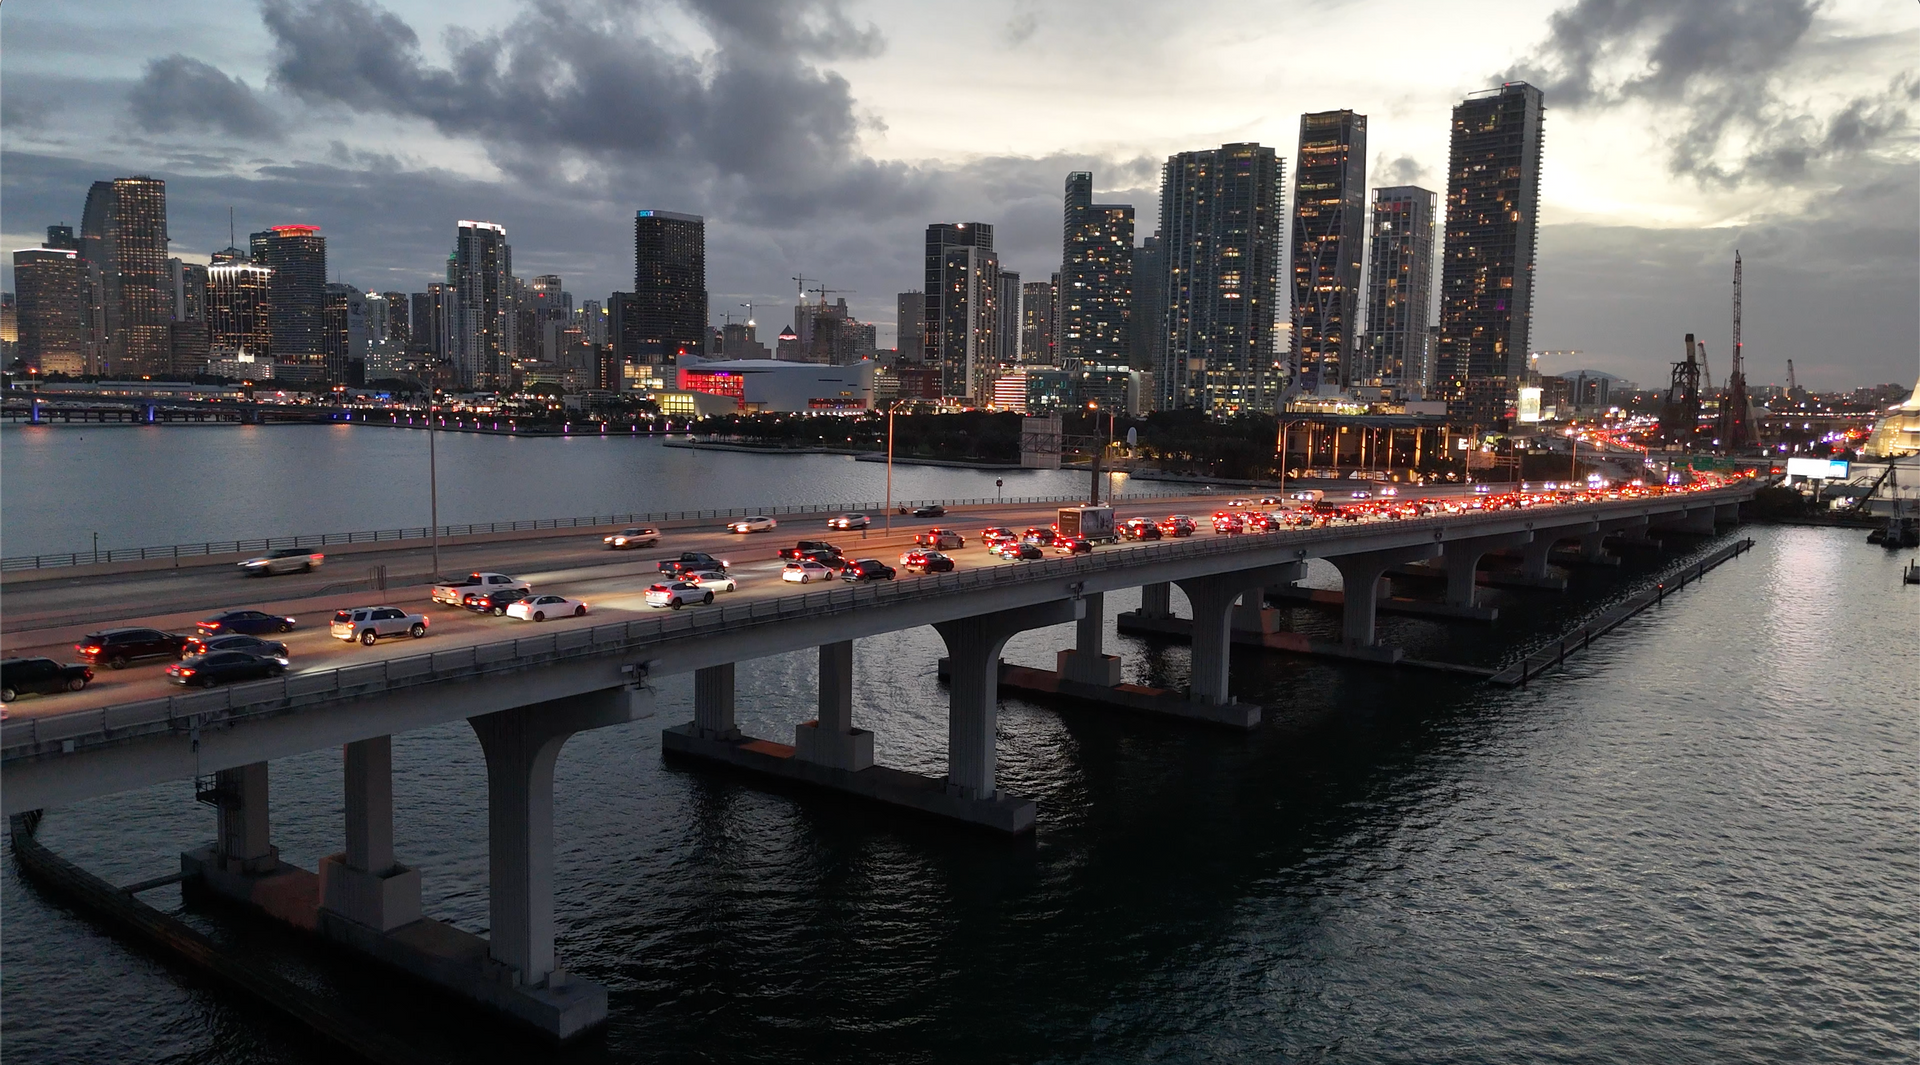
825 292
1736 413
800 287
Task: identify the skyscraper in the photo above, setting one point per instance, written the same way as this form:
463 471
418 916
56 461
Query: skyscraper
1006 331
480 333
910 325
1221 226
1329 228
552 312
962 279
1037 322
124 235
399 319
187 286
669 286
1096 278
297 297
1148 326
50 320
239 309
1486 272
347 334
1397 353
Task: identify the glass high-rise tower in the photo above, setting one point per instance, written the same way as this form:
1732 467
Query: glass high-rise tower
123 234
1221 232
669 286
1397 352
480 319
296 297
962 287
1329 230
1096 278
1486 273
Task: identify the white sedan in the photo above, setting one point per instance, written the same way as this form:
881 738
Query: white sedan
677 594
849 521
805 571
715 581
542 607
757 523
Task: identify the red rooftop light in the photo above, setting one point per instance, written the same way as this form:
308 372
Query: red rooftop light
303 231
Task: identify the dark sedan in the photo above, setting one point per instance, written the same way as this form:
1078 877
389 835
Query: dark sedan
251 622
117 647
200 645
867 569
225 667
931 510
495 603
41 676
1073 545
1021 552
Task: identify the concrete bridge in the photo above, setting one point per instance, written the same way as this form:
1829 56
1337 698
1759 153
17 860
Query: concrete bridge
525 697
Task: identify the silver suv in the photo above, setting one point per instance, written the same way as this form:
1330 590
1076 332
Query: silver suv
370 623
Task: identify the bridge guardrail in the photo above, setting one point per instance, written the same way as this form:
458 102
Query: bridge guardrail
189 712
422 532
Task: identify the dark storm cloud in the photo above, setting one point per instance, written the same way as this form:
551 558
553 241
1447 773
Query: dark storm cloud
178 93
1720 65
1405 170
754 124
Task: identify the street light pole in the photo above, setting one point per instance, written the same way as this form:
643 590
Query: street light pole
890 407
1573 463
433 487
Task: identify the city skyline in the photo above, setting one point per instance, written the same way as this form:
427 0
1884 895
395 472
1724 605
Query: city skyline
1826 221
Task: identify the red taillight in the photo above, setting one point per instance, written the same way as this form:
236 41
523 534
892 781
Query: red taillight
209 624
90 650
186 672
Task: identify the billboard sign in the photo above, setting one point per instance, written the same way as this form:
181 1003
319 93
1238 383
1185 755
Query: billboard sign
1817 469
1529 406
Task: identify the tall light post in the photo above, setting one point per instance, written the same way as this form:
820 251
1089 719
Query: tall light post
1573 463
1280 445
890 410
433 483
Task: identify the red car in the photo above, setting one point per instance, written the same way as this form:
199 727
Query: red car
1177 525
1226 522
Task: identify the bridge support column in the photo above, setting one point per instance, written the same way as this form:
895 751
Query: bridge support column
1086 662
1726 514
973 647
713 703
1360 582
521 746
831 740
242 865
1462 561
1695 522
1215 599
1533 562
1156 600
364 884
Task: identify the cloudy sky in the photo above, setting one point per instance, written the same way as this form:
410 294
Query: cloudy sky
819 137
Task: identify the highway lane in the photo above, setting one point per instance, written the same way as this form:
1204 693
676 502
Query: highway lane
580 567
613 583
108 598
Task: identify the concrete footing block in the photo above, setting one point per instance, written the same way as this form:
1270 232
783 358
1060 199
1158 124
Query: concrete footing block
851 750
563 1007
1004 812
1098 670
382 901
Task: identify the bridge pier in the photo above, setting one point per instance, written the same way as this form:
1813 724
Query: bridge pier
1697 521
973 647
1361 576
713 703
1215 599
1726 514
364 884
830 739
1156 601
1461 560
1086 662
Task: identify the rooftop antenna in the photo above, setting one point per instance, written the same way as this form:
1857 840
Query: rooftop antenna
230 235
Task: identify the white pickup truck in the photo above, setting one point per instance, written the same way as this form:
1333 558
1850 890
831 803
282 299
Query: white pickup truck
455 592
